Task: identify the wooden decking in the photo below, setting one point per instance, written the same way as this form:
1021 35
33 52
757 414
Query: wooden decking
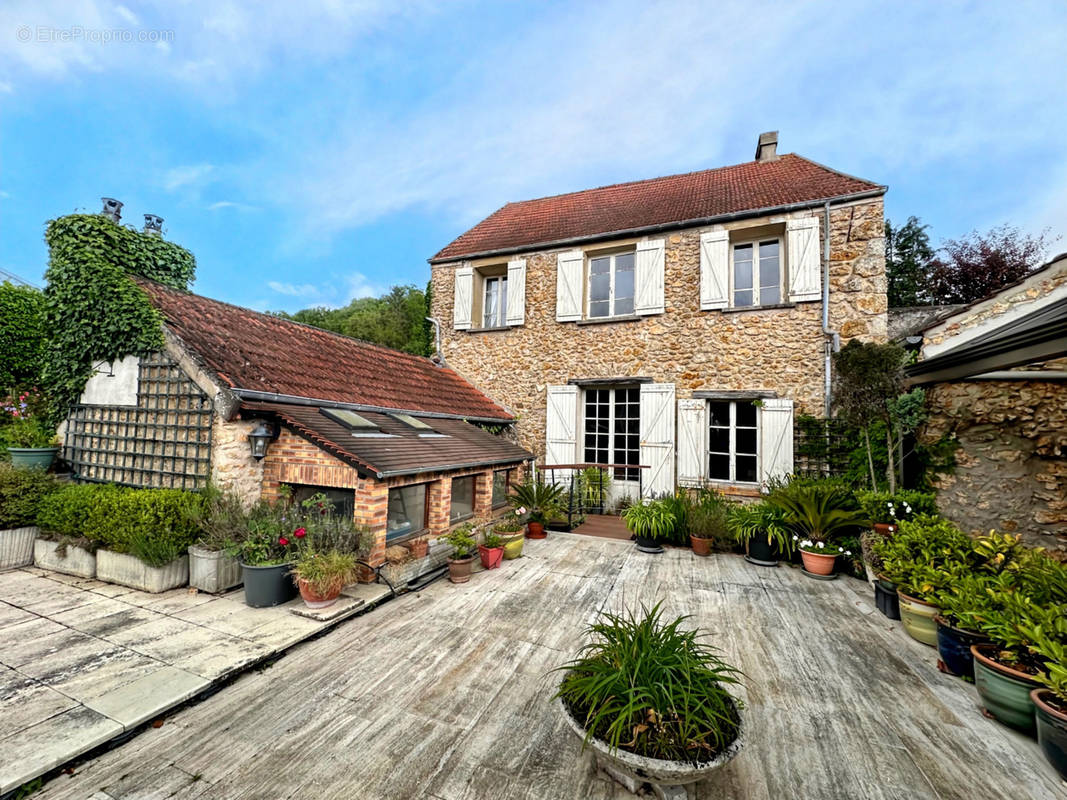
604 526
445 694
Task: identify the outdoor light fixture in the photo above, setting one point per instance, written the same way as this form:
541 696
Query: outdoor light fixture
258 440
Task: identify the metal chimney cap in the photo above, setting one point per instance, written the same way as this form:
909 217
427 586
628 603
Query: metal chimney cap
153 224
112 208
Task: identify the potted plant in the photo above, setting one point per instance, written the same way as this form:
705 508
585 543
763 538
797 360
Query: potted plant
462 558
510 530
322 574
761 529
223 524
1050 701
817 512
922 559
21 493
543 501
29 438
62 517
491 550
266 555
964 605
708 523
419 547
886 510
650 523
651 700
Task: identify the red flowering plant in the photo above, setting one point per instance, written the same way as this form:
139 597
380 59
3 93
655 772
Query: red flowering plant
24 421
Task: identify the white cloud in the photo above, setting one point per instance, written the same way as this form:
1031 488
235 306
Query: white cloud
190 175
339 291
305 290
128 16
222 205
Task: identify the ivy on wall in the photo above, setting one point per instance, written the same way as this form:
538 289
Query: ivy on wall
21 336
93 312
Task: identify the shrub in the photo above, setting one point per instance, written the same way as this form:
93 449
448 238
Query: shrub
924 556
709 521
21 493
65 513
891 508
462 541
652 688
818 510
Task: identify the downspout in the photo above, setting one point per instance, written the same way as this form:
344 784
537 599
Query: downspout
832 340
439 357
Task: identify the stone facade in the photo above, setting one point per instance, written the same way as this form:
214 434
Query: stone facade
1011 471
779 349
232 465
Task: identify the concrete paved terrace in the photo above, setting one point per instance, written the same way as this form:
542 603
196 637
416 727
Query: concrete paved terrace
443 694
83 662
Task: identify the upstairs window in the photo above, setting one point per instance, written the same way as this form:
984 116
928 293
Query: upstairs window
611 285
733 441
495 302
757 274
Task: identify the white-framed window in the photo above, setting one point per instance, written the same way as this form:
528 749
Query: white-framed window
733 441
495 302
612 428
756 273
611 285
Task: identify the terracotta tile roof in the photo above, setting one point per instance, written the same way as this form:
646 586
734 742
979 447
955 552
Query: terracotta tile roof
404 451
259 352
641 204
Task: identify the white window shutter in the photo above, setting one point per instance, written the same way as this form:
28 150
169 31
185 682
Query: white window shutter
648 276
776 438
657 439
714 270
569 268
517 291
464 298
561 429
692 441
802 250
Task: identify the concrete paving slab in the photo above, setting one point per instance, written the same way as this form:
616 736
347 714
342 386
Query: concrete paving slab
25 702
148 696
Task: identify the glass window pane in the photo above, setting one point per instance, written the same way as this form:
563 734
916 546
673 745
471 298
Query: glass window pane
743 275
624 306
770 296
719 413
746 414
599 287
500 488
746 469
768 249
768 272
599 309
746 441
742 252
624 262
462 498
719 467
719 440
407 511
624 284
599 266
742 299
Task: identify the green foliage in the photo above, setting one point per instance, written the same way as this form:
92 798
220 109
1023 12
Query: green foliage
509 523
818 510
65 513
709 519
93 312
594 486
542 501
907 258
21 335
153 551
21 494
462 541
492 541
651 688
396 319
326 571
653 520
24 421
749 520
924 556
890 508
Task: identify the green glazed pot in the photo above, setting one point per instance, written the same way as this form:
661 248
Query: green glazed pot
1051 731
1005 692
918 619
32 457
512 544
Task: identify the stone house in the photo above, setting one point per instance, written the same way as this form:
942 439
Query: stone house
671 326
404 445
996 378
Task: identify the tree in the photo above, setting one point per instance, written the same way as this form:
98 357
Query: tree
907 258
977 265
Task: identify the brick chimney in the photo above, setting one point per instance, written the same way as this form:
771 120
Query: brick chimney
112 209
767 147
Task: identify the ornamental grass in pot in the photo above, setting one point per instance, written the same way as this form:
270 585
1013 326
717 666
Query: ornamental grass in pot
651 699
761 529
650 522
322 574
462 559
708 523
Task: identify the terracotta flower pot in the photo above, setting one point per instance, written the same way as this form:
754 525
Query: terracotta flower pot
885 528
419 547
491 556
701 547
1005 692
535 530
917 616
1051 729
314 600
818 563
459 569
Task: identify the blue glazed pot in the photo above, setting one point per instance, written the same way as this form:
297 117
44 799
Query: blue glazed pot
954 647
1051 731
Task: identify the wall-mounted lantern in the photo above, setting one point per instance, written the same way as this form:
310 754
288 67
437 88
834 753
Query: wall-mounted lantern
259 439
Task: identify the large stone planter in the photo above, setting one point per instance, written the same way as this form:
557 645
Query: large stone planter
667 778
72 560
213 571
129 571
16 546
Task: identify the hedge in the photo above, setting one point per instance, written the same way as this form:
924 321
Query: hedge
21 494
125 520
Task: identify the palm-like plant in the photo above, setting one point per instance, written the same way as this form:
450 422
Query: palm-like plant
542 501
818 512
654 521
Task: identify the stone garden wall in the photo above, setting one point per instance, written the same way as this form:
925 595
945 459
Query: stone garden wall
1012 457
779 349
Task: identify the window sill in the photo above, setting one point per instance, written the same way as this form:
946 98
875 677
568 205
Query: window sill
774 307
735 489
404 538
609 320
495 329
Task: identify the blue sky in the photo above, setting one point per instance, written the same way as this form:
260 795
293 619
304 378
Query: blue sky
313 152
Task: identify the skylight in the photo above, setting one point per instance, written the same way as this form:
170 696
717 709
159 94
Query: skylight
349 419
411 422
